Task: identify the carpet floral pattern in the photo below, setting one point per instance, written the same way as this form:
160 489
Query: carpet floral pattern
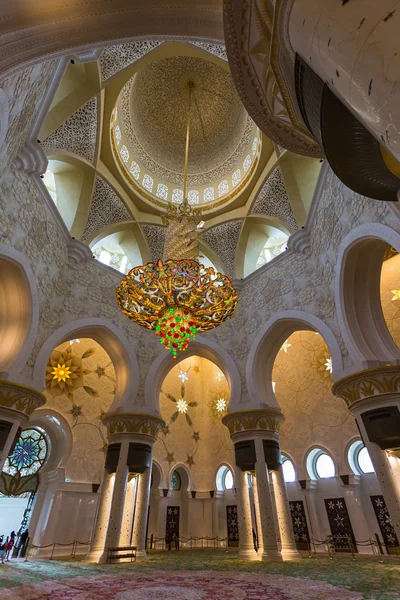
185 585
204 575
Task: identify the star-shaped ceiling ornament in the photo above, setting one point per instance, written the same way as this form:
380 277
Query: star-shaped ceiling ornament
190 460
196 435
396 294
221 405
328 365
182 406
61 373
285 346
196 369
170 457
165 430
183 376
76 410
219 375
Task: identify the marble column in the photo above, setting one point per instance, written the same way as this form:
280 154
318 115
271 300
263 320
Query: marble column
17 403
353 46
369 390
141 514
268 533
129 510
246 543
118 500
260 548
102 518
288 544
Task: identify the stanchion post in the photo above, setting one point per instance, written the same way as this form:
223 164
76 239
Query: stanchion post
52 551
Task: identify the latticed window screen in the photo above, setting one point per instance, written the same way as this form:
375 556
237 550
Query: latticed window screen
300 527
385 523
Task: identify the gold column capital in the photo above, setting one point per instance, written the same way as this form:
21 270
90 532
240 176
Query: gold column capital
364 385
125 423
20 399
261 420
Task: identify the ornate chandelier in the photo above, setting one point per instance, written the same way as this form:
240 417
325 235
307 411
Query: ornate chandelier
178 297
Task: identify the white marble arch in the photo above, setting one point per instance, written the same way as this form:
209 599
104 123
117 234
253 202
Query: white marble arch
19 312
186 480
114 342
157 475
80 33
357 295
266 345
200 347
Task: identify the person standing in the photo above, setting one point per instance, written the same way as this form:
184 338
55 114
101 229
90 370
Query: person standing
9 546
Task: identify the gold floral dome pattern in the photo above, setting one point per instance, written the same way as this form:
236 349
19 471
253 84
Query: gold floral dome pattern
158 110
148 132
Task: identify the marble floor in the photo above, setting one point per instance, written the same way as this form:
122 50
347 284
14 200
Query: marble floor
207 575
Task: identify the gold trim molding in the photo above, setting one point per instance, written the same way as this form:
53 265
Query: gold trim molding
369 383
20 398
254 420
128 423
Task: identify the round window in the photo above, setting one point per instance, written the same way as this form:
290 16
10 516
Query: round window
324 466
289 473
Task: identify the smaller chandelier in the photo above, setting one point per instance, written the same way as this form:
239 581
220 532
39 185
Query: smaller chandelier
178 297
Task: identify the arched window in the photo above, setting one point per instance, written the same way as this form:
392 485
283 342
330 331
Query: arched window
224 478
208 194
124 154
176 482
236 177
162 191
289 474
28 455
112 255
274 246
359 459
320 465
177 196
135 170
223 188
148 182
50 182
193 197
247 163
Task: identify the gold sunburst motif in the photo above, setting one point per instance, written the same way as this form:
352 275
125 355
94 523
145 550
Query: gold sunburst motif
64 373
61 373
396 294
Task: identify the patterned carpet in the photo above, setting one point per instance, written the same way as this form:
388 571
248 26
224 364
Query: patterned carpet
202 576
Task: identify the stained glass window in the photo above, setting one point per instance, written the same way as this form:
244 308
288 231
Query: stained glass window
148 182
176 481
29 454
208 194
223 188
135 170
118 134
224 478
124 153
193 197
162 191
177 196
236 177
247 163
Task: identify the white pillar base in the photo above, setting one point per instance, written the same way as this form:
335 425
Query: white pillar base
248 554
94 556
141 555
271 556
290 554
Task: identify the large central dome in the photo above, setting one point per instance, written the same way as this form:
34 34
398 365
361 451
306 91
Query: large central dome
148 132
159 112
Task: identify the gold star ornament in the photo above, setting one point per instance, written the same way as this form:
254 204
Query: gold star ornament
61 373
